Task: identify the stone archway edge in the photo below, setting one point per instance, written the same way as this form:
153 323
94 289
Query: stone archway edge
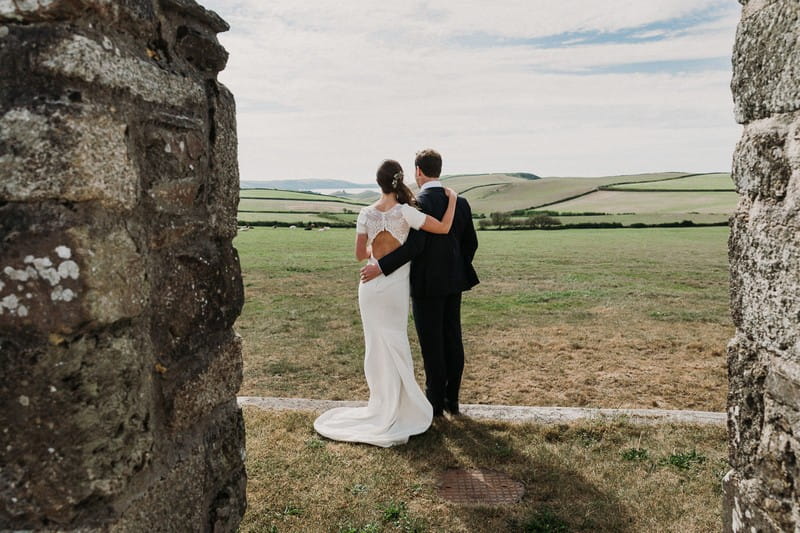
513 413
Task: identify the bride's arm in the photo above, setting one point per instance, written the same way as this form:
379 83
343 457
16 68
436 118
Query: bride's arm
432 225
362 251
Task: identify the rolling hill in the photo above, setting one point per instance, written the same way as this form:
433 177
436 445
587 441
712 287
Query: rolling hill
640 198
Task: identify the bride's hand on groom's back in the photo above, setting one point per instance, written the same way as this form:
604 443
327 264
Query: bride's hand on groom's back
450 192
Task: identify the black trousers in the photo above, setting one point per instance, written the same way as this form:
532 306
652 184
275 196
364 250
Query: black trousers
438 324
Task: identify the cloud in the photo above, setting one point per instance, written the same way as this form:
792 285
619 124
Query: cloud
558 87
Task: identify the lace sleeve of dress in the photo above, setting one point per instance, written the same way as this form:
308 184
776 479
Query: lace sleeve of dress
361 221
414 217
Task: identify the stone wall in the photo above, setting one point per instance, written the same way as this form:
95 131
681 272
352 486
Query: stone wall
119 284
762 491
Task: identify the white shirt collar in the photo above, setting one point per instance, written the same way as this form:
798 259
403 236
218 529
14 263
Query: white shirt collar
430 185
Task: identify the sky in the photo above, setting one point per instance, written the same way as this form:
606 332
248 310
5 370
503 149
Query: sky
330 88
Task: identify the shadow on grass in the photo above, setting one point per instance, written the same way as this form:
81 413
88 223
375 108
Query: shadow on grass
557 497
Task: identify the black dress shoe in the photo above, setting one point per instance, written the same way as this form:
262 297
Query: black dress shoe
452 408
438 413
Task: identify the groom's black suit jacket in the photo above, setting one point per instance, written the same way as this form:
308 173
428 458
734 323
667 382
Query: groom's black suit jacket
442 264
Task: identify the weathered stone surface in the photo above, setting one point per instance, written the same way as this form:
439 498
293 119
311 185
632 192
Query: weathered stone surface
223 196
34 10
60 283
175 197
765 256
119 284
767 155
213 385
76 154
76 426
192 9
102 63
197 290
766 61
211 475
201 50
762 492
47 10
747 372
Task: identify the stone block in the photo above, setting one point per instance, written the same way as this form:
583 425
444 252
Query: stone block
175 197
50 10
191 9
776 467
105 64
200 49
212 385
766 61
766 156
765 275
174 163
38 10
202 490
196 292
783 386
223 197
77 426
58 283
77 154
747 372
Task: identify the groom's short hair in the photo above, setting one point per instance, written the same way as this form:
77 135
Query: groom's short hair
429 162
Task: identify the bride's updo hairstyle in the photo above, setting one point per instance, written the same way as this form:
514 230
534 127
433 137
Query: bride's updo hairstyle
390 179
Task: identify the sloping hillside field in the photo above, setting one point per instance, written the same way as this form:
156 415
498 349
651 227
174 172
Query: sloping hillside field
613 201
668 196
699 182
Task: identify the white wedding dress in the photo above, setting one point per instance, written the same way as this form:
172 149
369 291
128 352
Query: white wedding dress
397 407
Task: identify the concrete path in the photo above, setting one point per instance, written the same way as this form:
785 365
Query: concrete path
513 413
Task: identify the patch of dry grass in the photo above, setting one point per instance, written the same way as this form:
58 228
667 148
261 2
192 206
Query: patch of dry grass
583 477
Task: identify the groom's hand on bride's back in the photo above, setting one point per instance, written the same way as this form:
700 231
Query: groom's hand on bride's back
370 272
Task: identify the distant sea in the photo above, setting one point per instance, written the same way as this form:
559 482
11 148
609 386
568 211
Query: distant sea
317 185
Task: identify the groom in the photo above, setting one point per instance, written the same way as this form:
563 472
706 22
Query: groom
441 269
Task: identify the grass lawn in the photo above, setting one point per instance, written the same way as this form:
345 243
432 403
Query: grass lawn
598 318
321 206
578 478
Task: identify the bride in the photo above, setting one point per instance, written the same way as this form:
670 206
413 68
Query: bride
397 407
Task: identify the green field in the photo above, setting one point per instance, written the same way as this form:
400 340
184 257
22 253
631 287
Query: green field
524 194
610 201
601 318
296 205
699 182
297 218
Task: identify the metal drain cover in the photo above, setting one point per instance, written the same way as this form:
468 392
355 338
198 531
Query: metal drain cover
479 487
